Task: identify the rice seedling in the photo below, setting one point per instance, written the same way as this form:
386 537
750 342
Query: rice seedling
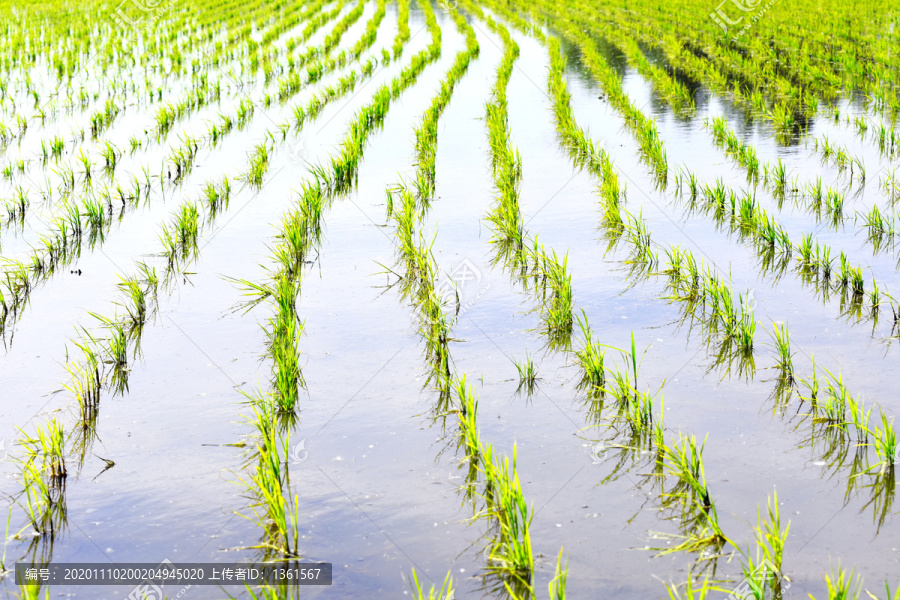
590 359
115 346
272 508
284 333
259 164
884 440
842 585
689 500
687 590
784 356
110 156
262 56
85 382
49 445
510 552
558 301
85 165
444 593
527 374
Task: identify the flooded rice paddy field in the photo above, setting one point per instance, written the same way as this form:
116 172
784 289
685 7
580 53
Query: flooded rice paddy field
433 290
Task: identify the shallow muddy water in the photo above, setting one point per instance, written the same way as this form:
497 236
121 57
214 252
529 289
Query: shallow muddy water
375 462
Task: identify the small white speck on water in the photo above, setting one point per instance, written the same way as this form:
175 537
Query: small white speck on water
338 458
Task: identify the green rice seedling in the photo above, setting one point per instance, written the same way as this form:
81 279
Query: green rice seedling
887 592
779 174
835 202
857 283
884 440
824 262
875 298
38 499
444 593
842 585
859 418
771 537
96 216
687 590
639 235
684 461
216 197
110 156
891 185
57 146
695 512
784 357
244 112
590 359
759 576
49 445
815 192
805 249
638 413
169 240
115 352
468 415
85 165
165 118
812 385
136 302
558 300
284 333
272 510
85 379
510 552
187 228
527 374
556 589
878 227
259 164
832 409
858 169
115 346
